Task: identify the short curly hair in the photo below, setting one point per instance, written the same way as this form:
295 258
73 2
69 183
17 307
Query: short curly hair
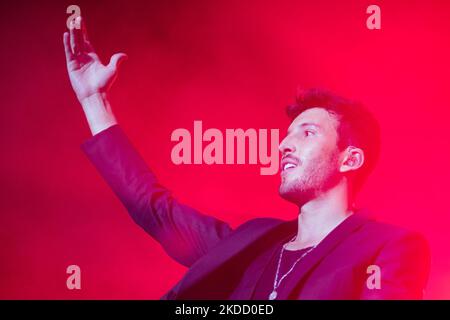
357 126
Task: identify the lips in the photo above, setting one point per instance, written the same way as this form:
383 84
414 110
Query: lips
288 163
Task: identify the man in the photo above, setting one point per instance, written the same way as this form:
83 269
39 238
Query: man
331 251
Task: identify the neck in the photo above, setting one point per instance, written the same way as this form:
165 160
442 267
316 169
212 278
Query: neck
319 216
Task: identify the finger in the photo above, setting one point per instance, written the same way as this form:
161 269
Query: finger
116 60
72 37
75 36
67 49
87 45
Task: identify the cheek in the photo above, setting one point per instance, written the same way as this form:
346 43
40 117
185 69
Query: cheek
319 154
313 152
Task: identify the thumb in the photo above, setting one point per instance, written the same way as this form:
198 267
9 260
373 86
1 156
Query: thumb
116 60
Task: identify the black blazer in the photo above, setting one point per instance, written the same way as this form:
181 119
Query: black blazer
218 257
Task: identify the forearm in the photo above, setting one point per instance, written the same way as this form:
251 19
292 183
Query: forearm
183 232
98 112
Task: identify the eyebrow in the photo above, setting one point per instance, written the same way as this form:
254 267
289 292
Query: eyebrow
307 124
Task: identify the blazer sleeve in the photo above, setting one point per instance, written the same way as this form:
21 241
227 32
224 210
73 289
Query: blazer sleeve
184 233
404 264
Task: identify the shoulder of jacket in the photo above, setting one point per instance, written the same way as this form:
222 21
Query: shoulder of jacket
389 231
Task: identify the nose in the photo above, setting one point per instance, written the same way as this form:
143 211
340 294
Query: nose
286 146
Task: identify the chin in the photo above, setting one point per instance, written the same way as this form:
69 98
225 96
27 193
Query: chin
290 185
294 193
289 193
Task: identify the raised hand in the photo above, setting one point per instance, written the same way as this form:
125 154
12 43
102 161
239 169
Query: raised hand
87 74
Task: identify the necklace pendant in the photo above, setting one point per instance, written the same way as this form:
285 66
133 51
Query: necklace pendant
273 295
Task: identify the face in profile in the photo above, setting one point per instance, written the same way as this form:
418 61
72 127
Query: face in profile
310 156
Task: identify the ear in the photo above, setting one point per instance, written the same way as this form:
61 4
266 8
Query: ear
353 159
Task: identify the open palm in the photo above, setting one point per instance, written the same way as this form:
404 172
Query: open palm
87 74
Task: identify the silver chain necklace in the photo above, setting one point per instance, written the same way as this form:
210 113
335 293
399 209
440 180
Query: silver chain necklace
276 283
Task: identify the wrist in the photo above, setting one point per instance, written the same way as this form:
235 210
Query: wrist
98 112
92 97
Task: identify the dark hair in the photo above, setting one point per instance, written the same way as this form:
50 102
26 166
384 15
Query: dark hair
357 126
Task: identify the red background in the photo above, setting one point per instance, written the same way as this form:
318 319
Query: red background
231 64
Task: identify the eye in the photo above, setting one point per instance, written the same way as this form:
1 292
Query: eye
309 133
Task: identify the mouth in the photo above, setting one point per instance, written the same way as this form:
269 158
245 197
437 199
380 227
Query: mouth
288 164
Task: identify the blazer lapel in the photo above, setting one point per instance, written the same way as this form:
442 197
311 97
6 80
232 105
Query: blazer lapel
343 230
191 285
246 287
